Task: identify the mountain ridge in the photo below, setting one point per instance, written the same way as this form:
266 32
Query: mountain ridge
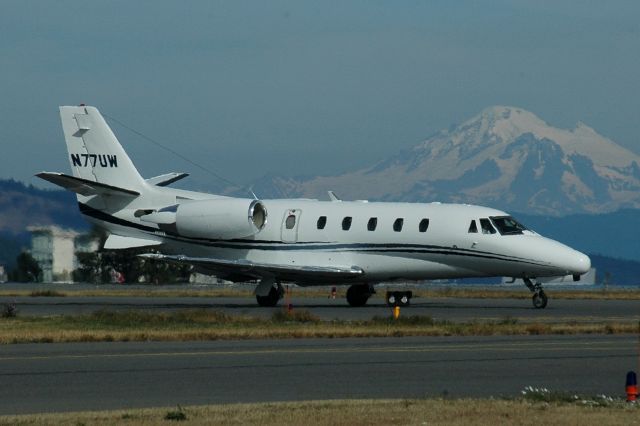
506 157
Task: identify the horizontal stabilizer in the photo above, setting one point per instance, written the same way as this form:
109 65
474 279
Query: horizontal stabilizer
166 179
85 187
246 268
115 242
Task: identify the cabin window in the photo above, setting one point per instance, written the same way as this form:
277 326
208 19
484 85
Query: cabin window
397 225
372 224
290 222
473 228
507 225
486 226
346 223
424 225
322 222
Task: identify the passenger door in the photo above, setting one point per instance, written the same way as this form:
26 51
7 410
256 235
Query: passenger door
290 222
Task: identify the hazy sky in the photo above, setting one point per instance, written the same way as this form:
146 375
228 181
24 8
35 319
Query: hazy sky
248 88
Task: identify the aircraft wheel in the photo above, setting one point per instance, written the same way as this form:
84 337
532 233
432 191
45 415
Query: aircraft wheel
271 299
391 298
404 299
357 295
539 300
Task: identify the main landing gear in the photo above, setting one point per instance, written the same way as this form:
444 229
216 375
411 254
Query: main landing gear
269 293
539 298
357 295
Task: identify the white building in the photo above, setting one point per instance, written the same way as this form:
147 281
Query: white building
54 250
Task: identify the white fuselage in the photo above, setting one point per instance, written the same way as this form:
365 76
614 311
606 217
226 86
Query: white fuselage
445 249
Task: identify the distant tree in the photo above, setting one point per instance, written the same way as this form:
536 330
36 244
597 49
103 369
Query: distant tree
103 266
26 270
90 268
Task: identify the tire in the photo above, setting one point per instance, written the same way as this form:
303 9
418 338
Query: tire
391 298
404 299
357 295
269 300
539 300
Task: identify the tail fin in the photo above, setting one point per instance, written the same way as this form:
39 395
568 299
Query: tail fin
94 152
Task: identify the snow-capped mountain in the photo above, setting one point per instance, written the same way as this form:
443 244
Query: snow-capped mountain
504 157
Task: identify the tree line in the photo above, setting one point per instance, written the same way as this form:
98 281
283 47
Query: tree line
107 266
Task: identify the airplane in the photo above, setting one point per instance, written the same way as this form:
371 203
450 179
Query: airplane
302 241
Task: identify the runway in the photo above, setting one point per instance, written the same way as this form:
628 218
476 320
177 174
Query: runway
69 377
449 309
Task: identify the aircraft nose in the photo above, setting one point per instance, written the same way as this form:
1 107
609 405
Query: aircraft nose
577 262
583 263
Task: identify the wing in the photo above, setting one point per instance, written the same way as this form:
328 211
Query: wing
116 242
242 270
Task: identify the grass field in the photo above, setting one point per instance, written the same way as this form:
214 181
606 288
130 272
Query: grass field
215 325
361 412
322 292
202 324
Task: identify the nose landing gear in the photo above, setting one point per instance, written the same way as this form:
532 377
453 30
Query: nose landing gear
539 298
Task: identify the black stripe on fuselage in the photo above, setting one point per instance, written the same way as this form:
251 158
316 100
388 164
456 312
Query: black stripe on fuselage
240 244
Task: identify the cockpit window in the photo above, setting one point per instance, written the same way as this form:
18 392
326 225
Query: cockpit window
473 228
486 226
507 225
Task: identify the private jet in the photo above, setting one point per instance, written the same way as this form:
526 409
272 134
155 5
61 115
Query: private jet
302 241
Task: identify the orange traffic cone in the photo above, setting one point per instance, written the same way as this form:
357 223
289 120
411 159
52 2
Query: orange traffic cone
632 386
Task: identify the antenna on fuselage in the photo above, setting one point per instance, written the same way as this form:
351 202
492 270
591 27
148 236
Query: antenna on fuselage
333 196
255 197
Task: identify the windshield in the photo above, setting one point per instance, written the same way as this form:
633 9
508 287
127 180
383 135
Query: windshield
507 225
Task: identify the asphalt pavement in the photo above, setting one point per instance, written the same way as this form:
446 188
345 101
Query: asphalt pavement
94 376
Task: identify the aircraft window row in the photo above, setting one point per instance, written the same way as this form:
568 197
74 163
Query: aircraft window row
372 224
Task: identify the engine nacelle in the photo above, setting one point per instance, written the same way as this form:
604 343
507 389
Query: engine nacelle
220 219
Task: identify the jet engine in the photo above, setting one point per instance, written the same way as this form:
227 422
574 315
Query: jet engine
218 219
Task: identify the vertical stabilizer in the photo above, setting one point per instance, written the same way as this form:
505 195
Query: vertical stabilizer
94 152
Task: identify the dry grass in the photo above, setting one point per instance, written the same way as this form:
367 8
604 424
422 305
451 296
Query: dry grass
132 292
462 412
501 293
192 325
322 292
